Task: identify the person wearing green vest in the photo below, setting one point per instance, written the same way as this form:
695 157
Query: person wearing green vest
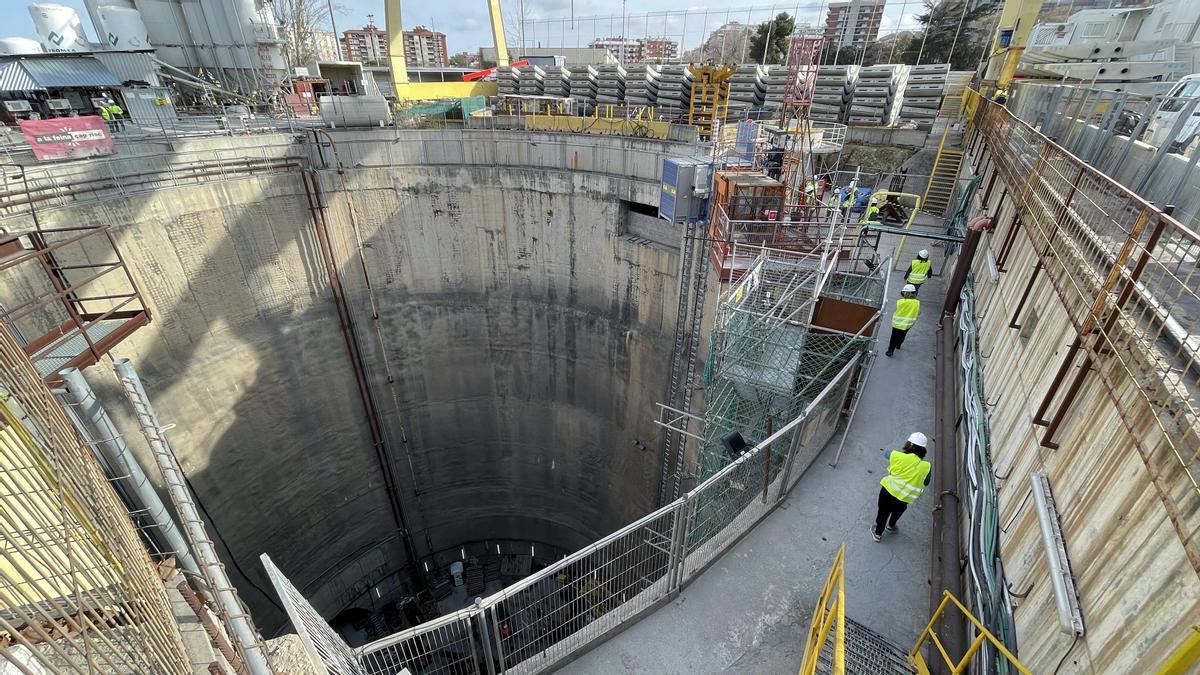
871 215
905 316
918 270
114 114
908 474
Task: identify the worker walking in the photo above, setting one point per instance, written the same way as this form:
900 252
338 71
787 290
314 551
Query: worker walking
919 269
908 474
904 317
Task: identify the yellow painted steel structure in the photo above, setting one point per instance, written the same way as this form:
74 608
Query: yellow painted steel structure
982 634
605 126
709 103
829 615
1183 659
1017 16
421 91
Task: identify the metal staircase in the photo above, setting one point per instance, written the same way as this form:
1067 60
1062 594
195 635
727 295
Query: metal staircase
867 653
939 194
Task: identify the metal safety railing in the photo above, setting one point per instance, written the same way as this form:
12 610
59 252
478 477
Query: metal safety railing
541 620
829 621
959 665
1128 278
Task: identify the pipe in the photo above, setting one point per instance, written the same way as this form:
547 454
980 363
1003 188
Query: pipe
945 570
236 617
962 268
357 364
117 454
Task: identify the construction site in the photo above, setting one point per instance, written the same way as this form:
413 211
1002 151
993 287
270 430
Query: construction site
605 369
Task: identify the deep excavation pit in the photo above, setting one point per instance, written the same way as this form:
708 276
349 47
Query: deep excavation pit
521 342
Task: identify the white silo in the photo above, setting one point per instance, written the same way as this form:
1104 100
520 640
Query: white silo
123 28
15 46
59 28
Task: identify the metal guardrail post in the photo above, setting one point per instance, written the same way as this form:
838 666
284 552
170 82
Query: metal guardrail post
679 527
481 624
495 622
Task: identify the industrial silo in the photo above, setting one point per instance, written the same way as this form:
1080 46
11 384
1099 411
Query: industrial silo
59 28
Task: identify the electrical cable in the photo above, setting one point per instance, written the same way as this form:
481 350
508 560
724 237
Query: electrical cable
1064 656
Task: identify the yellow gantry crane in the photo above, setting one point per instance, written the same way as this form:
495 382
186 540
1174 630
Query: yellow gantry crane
410 91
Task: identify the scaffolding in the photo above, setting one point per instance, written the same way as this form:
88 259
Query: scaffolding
780 335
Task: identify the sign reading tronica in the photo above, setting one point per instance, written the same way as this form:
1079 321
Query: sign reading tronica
68 137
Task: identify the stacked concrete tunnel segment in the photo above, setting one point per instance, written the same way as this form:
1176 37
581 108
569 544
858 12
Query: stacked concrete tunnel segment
513 332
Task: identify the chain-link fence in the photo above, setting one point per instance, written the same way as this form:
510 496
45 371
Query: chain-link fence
534 625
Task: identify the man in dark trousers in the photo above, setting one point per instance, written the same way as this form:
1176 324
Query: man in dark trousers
904 317
918 270
908 474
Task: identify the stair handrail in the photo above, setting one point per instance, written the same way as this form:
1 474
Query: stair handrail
830 613
981 634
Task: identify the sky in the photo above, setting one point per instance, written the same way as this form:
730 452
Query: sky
548 22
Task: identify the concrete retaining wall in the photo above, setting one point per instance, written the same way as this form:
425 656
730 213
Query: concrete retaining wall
524 338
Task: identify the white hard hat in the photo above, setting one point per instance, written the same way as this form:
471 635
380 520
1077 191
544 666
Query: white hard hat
908 288
923 253
918 438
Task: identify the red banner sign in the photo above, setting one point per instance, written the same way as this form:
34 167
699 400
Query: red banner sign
68 137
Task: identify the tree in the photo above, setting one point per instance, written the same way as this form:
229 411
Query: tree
954 33
839 56
770 43
301 21
726 44
888 49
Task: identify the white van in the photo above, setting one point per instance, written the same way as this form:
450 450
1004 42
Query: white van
1168 113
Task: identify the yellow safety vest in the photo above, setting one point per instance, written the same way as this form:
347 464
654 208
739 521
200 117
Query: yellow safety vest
105 113
906 476
871 215
920 271
906 313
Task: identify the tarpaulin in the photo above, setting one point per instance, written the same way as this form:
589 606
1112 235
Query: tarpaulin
68 137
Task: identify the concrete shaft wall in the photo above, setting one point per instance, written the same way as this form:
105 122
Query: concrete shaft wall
520 344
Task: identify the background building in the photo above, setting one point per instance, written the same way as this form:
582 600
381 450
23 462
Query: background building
854 23
657 49
424 47
626 50
366 45
638 50
726 43
317 45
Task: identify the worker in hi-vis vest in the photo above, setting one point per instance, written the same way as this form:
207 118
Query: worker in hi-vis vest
918 269
871 215
904 317
908 474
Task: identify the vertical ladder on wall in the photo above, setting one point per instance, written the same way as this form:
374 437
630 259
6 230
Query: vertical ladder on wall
693 276
939 193
227 604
